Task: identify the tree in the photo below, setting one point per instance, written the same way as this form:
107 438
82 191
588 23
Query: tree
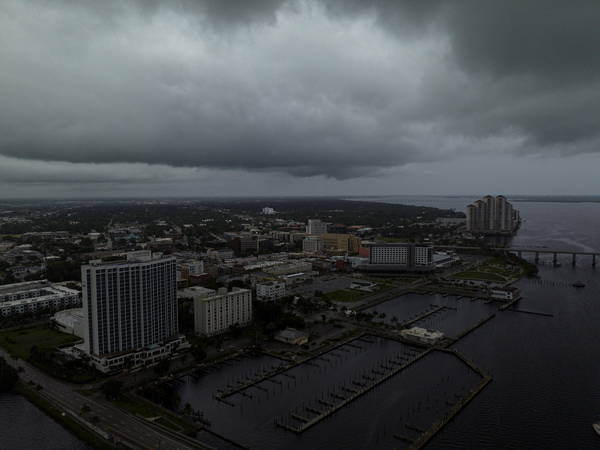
112 389
235 330
198 353
8 376
162 368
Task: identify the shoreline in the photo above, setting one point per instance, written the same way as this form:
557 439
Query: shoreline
73 427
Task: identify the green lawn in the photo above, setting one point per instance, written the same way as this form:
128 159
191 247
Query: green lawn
19 342
480 275
344 295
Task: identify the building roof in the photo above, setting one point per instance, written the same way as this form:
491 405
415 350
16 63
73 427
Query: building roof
292 333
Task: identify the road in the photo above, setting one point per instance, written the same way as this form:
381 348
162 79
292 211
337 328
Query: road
134 432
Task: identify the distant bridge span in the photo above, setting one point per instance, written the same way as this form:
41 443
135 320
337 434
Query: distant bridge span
536 251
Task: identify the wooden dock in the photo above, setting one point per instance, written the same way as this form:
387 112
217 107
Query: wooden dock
423 316
282 369
425 437
353 394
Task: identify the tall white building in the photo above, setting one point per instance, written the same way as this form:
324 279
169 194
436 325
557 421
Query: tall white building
214 314
492 215
130 310
315 226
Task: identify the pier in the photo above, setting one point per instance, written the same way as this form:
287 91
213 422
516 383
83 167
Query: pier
424 315
473 328
353 394
268 375
425 437
537 313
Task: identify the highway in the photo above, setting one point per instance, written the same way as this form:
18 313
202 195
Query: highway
129 430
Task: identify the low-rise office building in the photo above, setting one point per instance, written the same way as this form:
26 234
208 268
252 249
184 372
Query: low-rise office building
507 293
214 314
292 336
270 290
34 296
71 321
422 335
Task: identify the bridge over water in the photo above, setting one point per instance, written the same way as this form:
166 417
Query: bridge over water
532 250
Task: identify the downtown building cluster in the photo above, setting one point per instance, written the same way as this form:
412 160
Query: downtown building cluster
492 215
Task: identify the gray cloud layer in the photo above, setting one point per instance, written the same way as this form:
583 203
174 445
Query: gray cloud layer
339 88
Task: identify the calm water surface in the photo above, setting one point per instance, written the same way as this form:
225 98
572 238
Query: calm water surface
24 427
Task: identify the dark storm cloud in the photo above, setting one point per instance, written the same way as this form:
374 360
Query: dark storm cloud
339 88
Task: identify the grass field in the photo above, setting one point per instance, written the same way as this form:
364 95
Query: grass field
344 295
19 342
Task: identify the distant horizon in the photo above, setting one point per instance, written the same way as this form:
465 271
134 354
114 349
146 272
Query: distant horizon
515 197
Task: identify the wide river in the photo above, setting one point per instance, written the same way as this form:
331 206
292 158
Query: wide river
545 391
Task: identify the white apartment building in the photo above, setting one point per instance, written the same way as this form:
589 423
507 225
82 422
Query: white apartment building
130 310
33 296
270 290
312 244
214 314
315 226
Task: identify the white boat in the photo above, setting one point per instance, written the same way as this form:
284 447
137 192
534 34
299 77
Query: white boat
596 427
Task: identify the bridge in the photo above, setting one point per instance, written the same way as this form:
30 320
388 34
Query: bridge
528 250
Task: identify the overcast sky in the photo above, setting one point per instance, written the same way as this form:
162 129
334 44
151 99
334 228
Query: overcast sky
277 97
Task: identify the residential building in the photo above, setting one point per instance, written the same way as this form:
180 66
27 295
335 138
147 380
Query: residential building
270 290
214 314
268 211
492 215
315 226
34 296
312 244
130 310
